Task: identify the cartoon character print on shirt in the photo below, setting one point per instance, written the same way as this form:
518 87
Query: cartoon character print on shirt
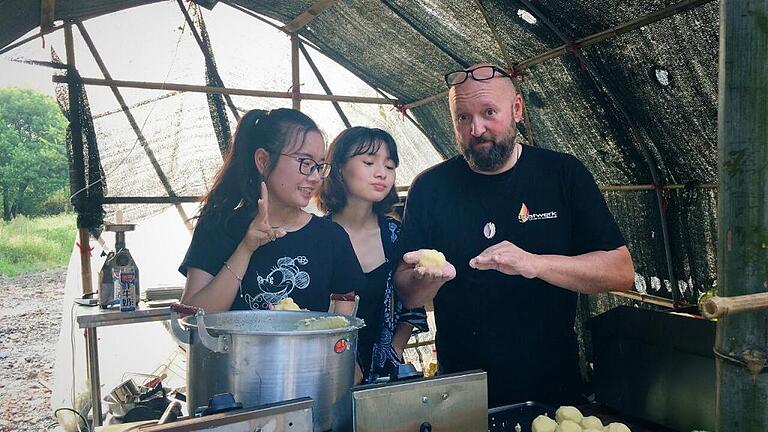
279 282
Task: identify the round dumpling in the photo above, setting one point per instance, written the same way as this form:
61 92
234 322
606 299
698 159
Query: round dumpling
591 422
543 423
594 430
430 258
286 304
617 427
568 426
568 413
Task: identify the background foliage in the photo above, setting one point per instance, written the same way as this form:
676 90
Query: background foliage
33 161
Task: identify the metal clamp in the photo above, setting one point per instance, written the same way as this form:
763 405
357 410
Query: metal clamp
219 344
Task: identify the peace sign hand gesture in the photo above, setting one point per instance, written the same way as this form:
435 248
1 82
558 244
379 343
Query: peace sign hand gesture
260 231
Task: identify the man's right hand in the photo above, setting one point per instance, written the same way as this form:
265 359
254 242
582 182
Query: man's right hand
260 231
418 285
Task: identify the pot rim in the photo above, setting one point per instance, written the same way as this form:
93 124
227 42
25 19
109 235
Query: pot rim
355 324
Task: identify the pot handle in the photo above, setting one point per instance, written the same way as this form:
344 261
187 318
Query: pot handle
220 344
178 309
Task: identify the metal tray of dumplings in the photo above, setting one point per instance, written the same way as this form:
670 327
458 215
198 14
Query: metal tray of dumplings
504 418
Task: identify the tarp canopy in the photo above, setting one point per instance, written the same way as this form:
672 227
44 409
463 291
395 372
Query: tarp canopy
638 108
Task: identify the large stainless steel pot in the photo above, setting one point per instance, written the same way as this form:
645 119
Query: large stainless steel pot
261 357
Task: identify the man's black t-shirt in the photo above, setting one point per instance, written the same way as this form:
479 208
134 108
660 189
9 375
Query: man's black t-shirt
307 265
518 330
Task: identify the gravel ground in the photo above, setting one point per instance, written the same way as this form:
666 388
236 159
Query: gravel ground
30 314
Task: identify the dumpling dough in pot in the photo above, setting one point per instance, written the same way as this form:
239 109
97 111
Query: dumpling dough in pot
543 423
568 413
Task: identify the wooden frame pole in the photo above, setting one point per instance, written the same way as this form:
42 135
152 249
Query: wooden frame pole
295 79
208 89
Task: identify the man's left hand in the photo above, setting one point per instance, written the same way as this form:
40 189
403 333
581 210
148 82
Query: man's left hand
506 258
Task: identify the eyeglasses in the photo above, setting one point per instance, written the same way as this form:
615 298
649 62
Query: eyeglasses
480 73
308 166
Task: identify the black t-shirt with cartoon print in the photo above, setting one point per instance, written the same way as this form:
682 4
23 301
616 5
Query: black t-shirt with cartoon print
521 331
307 265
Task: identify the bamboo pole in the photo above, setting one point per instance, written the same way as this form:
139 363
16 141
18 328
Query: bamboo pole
135 126
295 80
150 200
741 343
646 298
233 91
634 188
718 307
79 181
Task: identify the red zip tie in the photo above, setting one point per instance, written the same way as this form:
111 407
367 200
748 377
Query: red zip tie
664 195
514 73
82 249
401 108
574 47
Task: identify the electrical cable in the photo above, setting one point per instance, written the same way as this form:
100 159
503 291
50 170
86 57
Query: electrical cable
56 414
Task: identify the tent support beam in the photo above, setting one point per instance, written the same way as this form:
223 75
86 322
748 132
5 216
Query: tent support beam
295 79
134 125
308 15
79 183
78 159
207 89
741 341
324 84
209 63
618 30
30 38
640 134
47 15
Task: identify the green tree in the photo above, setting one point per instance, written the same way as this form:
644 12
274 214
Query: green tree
33 160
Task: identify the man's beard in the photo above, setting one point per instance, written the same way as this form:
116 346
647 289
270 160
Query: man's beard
492 158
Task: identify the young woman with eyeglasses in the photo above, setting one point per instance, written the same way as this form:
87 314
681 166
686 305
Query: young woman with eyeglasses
253 245
359 195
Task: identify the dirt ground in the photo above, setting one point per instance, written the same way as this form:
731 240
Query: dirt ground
30 317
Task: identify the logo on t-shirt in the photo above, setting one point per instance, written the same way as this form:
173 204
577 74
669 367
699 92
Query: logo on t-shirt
525 215
279 282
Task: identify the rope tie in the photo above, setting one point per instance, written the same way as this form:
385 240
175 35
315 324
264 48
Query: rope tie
84 249
664 195
574 47
401 108
515 73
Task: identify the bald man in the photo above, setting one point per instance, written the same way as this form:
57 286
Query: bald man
524 230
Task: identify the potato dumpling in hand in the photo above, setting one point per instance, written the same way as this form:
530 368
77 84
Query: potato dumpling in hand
568 426
286 304
430 258
617 427
568 413
591 422
543 423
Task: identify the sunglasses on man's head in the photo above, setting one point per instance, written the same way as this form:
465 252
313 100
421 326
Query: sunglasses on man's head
480 73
